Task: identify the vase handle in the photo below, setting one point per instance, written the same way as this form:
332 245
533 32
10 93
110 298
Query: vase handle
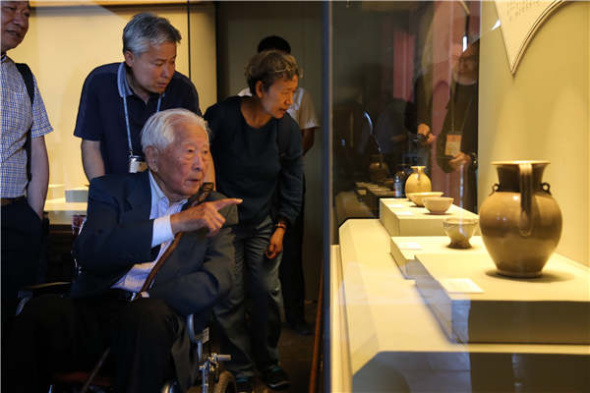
525 225
495 187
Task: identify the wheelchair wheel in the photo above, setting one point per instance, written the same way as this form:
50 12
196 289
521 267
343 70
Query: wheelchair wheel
226 383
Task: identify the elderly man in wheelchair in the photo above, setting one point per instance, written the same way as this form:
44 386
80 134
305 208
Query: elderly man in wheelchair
156 247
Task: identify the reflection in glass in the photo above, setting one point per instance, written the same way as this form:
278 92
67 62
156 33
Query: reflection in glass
405 92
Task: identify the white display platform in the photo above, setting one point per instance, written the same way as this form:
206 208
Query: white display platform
390 341
61 212
475 304
403 249
78 194
55 191
339 351
403 218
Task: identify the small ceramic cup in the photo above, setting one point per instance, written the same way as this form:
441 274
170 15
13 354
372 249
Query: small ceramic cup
437 205
418 197
460 230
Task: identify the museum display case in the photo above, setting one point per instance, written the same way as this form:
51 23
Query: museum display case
460 88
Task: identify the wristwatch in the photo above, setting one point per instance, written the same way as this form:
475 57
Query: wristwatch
281 223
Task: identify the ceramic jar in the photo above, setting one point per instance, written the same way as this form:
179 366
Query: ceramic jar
520 221
399 181
378 170
418 181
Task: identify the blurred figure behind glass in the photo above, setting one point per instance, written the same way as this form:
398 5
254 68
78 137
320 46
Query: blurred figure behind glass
456 148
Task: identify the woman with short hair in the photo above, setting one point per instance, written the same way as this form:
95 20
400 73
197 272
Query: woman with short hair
256 147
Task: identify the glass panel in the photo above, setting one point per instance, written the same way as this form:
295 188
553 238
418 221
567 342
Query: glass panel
408 96
482 95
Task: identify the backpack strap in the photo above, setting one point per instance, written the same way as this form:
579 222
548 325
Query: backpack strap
27 75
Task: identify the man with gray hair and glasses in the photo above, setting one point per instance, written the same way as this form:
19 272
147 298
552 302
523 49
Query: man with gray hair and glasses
118 98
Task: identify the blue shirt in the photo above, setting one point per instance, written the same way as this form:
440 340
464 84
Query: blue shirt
250 164
101 115
18 116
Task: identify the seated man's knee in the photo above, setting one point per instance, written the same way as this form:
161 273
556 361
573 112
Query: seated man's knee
152 317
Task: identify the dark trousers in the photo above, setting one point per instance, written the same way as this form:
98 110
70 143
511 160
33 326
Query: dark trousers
251 334
291 270
56 335
21 244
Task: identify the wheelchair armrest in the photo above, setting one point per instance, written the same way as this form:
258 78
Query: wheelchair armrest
196 336
59 288
28 292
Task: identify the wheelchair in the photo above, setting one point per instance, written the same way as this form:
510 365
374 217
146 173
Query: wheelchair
212 377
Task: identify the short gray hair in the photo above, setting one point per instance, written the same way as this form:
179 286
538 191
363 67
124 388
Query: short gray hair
160 129
147 29
270 66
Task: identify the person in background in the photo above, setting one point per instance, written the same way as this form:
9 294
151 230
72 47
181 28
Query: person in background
456 146
291 270
132 221
118 98
419 120
258 154
24 170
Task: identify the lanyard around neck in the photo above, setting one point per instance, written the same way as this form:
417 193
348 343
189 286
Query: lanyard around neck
466 111
127 120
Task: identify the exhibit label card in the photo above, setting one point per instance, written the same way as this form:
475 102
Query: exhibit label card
409 246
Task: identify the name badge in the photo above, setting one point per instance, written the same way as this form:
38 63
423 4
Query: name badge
453 145
137 164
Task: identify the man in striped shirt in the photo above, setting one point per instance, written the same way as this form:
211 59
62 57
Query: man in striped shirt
23 186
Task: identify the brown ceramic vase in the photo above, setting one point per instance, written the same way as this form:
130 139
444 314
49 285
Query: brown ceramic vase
418 181
520 221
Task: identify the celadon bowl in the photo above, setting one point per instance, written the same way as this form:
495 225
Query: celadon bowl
460 230
418 197
437 205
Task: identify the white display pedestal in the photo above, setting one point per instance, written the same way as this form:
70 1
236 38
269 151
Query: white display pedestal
403 218
61 212
403 249
473 303
388 340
